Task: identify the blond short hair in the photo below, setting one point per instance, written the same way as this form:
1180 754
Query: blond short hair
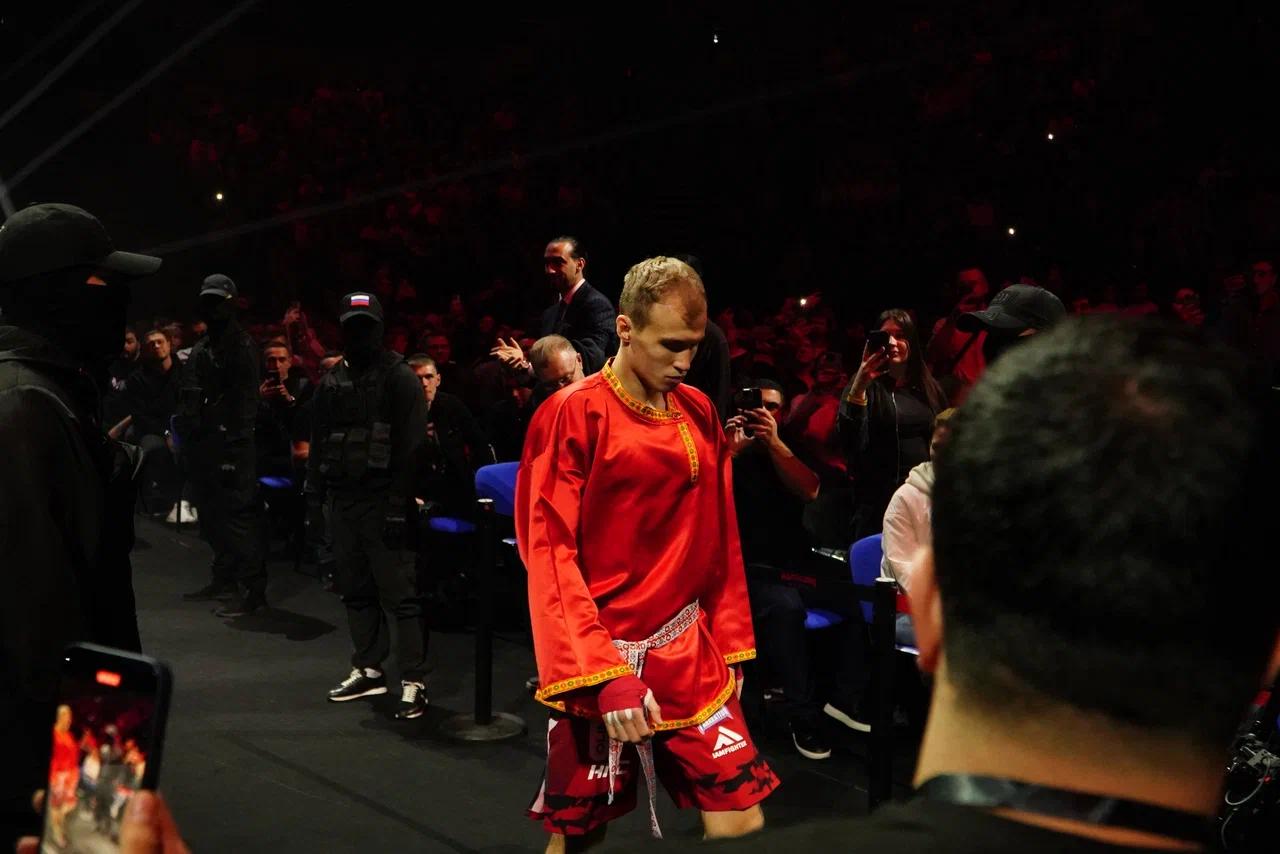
648 283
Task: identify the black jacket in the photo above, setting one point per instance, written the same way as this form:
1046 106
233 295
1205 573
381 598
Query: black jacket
66 529
224 373
873 444
589 321
151 396
460 447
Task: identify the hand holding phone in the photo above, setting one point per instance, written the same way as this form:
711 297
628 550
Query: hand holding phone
108 735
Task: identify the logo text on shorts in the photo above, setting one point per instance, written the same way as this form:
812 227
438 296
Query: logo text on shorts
600 772
727 742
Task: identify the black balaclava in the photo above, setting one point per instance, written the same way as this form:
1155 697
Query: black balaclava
361 340
86 321
217 311
998 342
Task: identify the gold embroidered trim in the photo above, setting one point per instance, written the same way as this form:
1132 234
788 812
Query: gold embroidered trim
706 712
744 655
581 682
644 410
690 449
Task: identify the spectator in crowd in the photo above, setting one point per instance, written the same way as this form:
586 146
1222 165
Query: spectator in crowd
1017 312
1186 307
1140 302
67 500
438 346
1250 320
283 428
907 525
507 421
771 485
303 340
580 313
814 416
150 400
1087 653
555 365
199 329
886 418
127 361
455 446
954 355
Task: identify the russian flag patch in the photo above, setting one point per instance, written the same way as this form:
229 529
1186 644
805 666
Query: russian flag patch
359 299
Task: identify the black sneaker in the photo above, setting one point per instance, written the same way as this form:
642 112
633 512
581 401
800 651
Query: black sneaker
413 701
242 606
214 590
809 741
358 684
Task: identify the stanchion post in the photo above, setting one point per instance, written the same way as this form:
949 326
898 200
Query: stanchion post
483 724
880 761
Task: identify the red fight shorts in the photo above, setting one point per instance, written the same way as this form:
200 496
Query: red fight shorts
714 767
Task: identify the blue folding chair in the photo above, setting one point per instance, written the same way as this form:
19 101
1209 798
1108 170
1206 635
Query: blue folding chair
865 558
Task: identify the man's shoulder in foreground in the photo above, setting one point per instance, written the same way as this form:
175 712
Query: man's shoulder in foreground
917 825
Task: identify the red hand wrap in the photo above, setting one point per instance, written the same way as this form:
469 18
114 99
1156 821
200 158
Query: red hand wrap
624 692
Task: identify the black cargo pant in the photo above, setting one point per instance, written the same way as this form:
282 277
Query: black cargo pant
231 515
373 581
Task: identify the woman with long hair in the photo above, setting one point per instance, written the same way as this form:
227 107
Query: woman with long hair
886 418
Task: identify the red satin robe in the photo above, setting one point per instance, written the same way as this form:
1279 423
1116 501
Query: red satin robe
624 515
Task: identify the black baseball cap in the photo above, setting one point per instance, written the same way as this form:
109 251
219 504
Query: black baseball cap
1014 309
220 285
51 237
357 304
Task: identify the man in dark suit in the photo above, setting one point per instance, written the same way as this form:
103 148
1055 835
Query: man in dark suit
581 313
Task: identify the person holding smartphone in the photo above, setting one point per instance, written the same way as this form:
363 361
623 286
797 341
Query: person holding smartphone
886 416
67 492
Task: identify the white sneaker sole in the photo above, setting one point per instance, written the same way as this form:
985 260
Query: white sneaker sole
855 725
809 754
370 693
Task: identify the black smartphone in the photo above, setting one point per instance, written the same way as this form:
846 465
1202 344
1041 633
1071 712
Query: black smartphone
877 340
108 735
747 398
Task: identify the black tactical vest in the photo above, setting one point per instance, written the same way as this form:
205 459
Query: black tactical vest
354 425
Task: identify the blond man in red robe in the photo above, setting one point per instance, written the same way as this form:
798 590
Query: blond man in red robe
638 598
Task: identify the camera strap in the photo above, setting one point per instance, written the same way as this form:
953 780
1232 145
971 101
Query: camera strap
972 790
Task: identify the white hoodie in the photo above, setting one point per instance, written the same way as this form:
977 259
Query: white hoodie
907 525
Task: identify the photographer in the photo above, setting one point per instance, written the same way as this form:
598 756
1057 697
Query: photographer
283 430
886 417
771 486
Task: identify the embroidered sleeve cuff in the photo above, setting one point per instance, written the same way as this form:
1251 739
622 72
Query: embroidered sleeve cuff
581 682
741 655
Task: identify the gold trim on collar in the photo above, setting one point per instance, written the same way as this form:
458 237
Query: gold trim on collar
690 450
640 408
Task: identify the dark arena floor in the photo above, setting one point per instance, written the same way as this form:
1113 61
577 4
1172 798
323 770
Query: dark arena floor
257 760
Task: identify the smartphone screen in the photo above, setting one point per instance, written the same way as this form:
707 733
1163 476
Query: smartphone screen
107 734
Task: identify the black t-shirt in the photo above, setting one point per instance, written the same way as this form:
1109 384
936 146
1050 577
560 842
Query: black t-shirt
921 825
770 517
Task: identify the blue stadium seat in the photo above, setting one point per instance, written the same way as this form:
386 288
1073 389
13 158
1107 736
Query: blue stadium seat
820 618
498 482
864 564
450 525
